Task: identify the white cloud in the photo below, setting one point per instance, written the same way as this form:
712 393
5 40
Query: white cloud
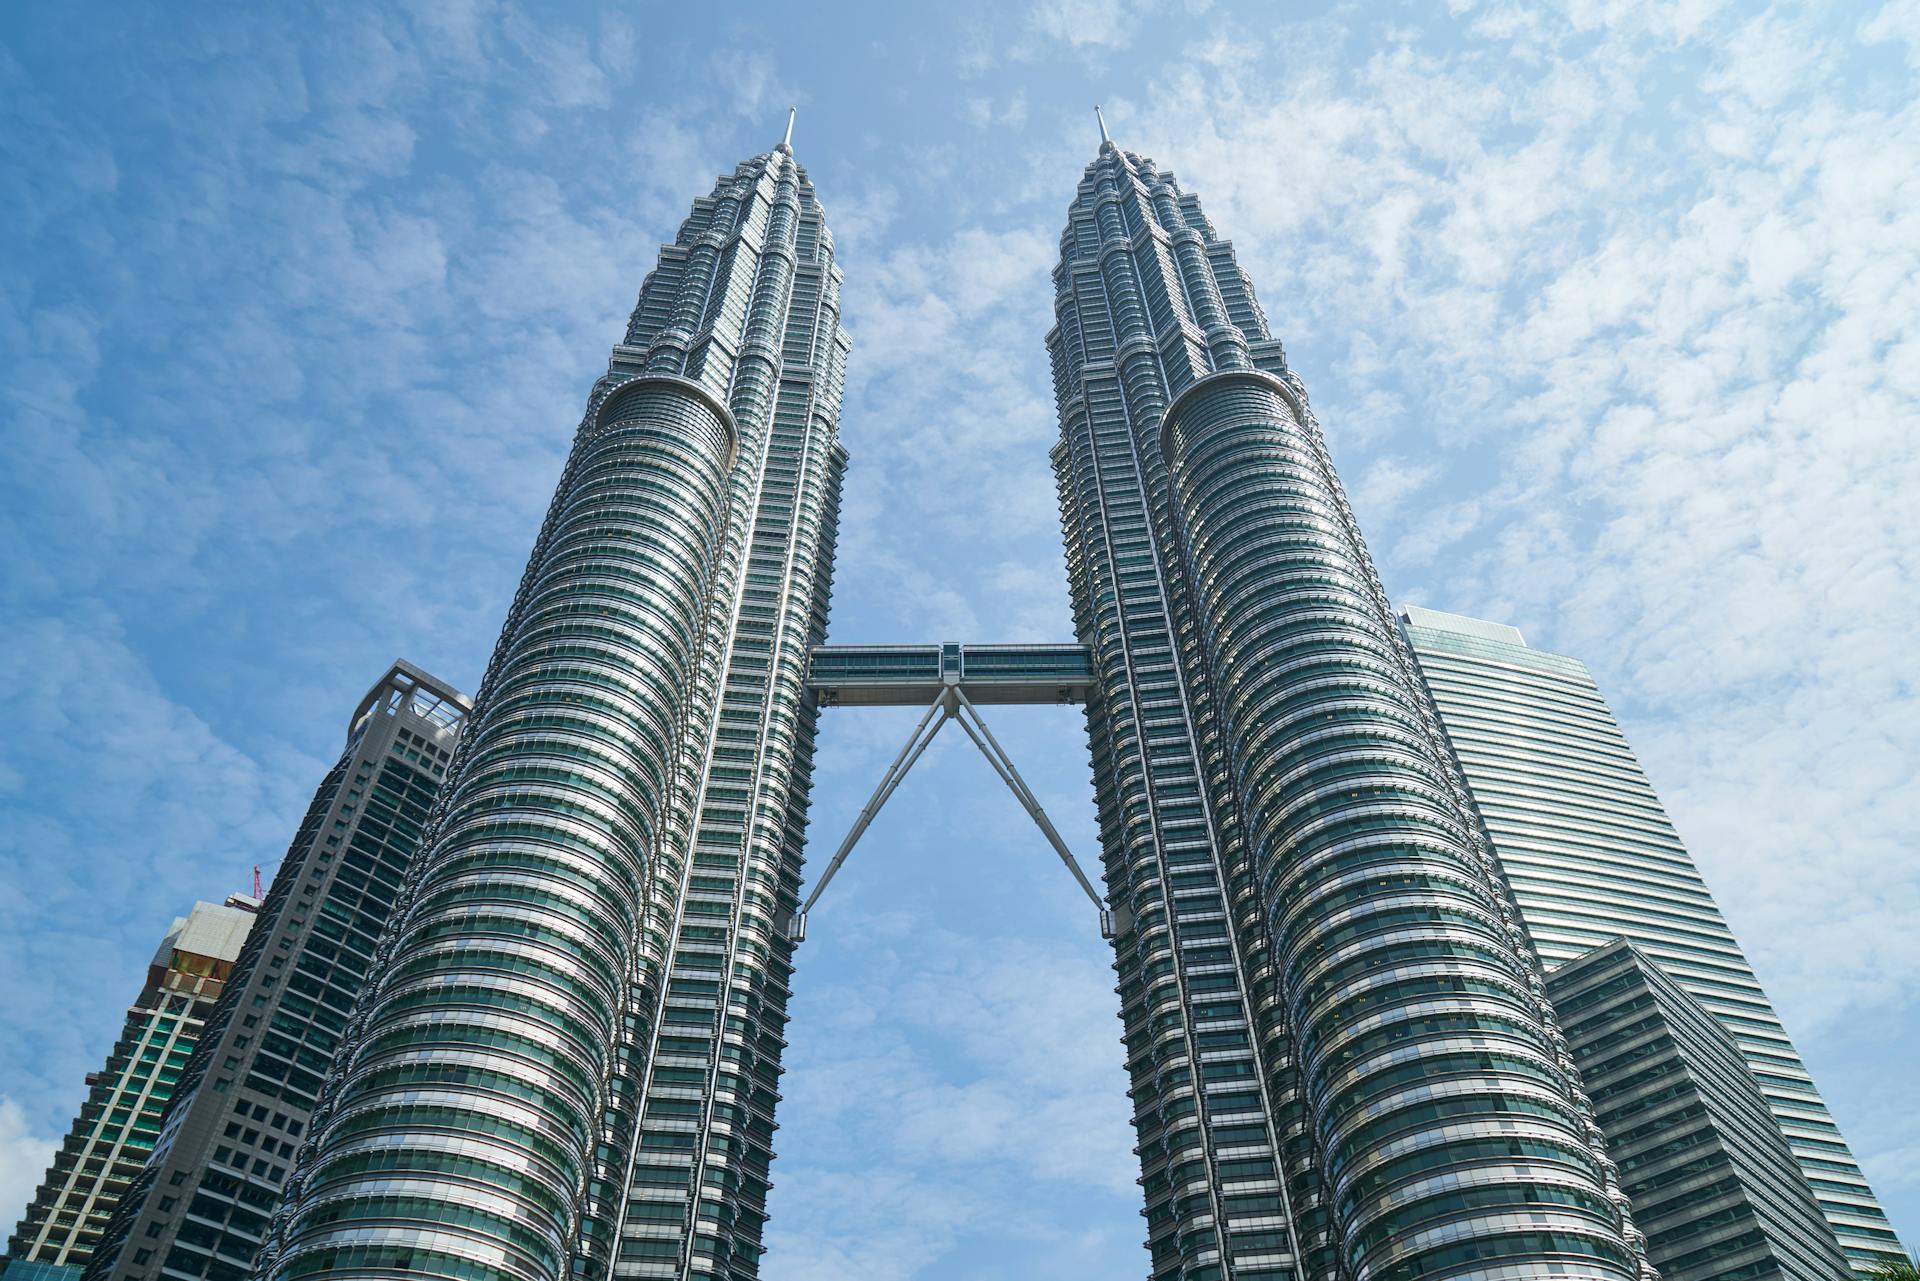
750 80
1101 25
1388 482
969 1080
174 812
982 113
24 1157
1079 23
949 433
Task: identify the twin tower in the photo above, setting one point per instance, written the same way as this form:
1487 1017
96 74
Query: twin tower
1342 1056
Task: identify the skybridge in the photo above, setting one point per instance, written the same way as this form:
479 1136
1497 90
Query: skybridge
914 675
952 681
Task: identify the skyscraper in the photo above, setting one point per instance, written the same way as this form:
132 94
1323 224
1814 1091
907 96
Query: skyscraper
1592 856
120 1121
1341 1053
567 1064
201 1205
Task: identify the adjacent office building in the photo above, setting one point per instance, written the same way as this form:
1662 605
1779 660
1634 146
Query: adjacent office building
201 1205
120 1122
569 1066
1591 857
1714 1185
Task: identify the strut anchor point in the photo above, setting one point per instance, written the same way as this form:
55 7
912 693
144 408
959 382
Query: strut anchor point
791 925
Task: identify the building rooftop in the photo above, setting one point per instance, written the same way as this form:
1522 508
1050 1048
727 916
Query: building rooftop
1460 624
212 930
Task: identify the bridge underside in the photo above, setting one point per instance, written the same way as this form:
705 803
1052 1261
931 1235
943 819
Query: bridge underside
950 681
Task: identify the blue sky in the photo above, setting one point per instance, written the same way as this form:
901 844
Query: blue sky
1611 311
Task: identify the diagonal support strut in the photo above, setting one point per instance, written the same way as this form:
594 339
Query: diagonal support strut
952 704
923 734
1003 764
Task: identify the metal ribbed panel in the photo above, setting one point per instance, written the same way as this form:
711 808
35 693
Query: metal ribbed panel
1392 945
1223 1144
461 1132
689 1184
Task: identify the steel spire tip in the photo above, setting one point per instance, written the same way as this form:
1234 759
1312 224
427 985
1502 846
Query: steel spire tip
1103 124
787 141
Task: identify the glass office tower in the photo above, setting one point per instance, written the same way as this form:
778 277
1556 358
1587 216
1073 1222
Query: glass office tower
1714 1185
1342 1058
201 1205
1592 856
567 1064
118 1125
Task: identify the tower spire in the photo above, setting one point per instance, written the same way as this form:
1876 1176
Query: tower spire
1104 139
787 142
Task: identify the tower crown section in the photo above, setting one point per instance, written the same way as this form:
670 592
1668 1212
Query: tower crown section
711 301
1135 239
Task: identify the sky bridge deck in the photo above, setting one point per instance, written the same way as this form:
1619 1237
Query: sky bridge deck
915 675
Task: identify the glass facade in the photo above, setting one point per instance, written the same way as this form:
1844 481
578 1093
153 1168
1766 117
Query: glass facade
1342 1058
103 1154
568 1061
1591 856
1714 1185
27 1270
201 1205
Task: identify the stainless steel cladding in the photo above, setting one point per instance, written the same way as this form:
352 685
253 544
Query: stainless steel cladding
566 1066
1343 1062
463 1130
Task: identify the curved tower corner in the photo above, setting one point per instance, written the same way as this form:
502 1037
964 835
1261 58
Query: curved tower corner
1342 1059
566 1065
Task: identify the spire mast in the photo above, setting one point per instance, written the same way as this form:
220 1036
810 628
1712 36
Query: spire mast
787 141
1104 139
